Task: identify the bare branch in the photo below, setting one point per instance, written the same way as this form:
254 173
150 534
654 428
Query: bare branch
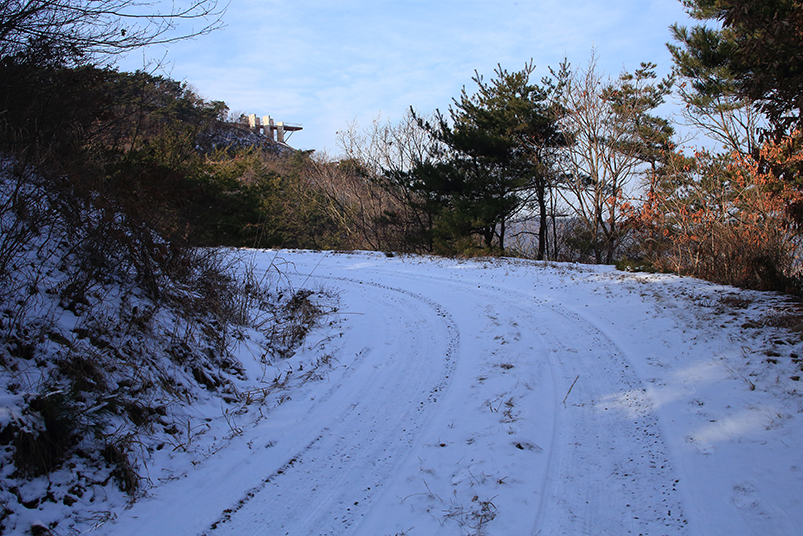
83 31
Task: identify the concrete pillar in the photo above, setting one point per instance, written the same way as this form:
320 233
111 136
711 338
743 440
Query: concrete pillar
267 123
253 122
280 132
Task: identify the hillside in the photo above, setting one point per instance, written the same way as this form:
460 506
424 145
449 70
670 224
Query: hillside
111 337
489 397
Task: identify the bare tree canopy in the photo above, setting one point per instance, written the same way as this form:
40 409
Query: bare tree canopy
96 30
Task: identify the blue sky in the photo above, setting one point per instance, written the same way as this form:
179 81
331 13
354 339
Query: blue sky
325 64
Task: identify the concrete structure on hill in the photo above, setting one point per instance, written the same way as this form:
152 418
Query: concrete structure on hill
267 127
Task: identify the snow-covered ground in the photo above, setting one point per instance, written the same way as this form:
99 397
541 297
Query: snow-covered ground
499 397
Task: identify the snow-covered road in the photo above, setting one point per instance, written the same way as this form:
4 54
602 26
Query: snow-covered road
509 397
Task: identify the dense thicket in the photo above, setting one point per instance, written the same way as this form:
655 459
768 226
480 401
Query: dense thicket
734 215
585 167
111 319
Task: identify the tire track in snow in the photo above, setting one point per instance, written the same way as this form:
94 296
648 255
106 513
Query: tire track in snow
597 482
397 387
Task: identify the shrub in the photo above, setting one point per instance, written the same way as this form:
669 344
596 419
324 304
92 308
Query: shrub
726 219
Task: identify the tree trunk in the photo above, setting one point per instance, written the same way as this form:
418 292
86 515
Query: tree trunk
542 222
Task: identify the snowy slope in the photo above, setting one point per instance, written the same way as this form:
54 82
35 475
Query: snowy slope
506 397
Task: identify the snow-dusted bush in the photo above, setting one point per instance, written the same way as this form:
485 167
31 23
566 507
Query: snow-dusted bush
108 335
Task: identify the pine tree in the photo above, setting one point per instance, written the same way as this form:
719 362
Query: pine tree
493 159
757 54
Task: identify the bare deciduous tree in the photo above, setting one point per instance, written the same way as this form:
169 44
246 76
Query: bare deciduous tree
97 30
604 120
385 146
373 207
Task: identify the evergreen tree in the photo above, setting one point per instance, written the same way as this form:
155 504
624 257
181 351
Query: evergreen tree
491 159
757 53
753 61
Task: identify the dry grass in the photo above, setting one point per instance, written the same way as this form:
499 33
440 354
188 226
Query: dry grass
474 518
